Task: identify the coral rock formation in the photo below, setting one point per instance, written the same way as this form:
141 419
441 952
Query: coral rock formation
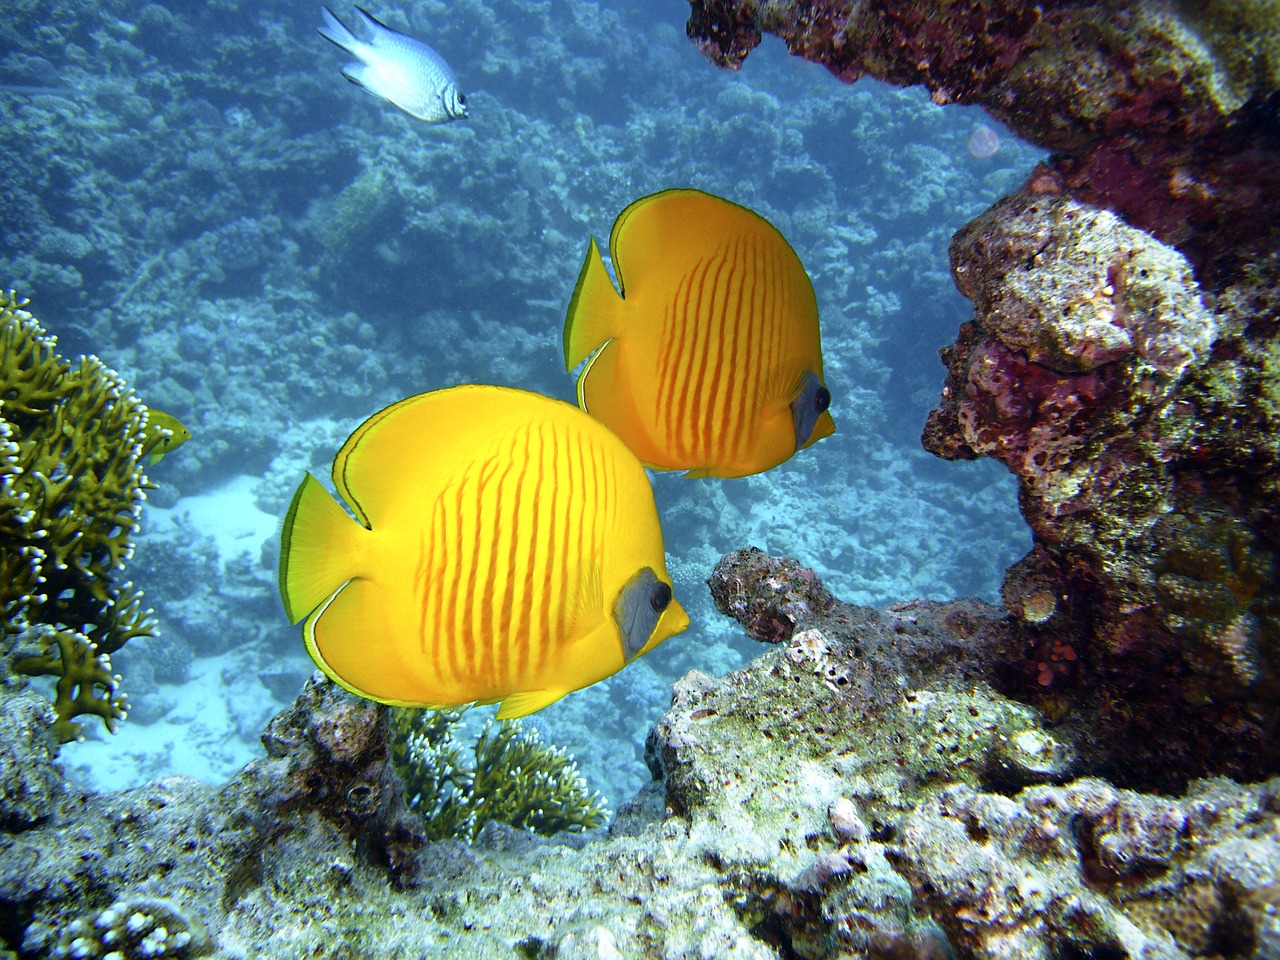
1160 110
1121 357
1134 407
861 789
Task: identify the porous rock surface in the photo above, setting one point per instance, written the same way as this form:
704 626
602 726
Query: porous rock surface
1123 357
860 789
1159 110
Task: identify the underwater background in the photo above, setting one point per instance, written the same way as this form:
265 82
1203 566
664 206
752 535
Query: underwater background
194 194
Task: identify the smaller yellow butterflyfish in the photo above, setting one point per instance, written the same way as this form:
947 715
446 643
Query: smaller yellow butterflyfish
709 358
505 547
163 432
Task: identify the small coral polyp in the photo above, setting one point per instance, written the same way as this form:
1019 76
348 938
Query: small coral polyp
71 494
132 930
512 778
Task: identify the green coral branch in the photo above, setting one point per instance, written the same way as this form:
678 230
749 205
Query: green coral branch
28 369
71 495
510 777
521 781
85 685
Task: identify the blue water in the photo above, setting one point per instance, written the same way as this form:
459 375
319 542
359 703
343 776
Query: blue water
193 192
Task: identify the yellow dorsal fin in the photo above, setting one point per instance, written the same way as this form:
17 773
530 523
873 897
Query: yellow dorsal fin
594 310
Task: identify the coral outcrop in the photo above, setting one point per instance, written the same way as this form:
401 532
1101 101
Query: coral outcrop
71 493
1163 112
1134 409
1121 356
862 789
913 810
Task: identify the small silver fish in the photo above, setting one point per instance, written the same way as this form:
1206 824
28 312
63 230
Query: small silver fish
401 70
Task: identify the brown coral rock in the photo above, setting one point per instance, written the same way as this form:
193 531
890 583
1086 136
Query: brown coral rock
1103 377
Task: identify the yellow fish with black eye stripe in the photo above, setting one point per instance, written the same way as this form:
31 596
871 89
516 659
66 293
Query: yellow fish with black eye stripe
505 547
708 359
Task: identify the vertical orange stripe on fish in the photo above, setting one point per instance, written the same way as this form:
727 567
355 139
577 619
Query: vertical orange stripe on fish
512 603
479 588
727 428
717 311
548 583
453 638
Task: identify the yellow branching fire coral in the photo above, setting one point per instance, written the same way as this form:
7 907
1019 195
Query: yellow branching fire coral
71 492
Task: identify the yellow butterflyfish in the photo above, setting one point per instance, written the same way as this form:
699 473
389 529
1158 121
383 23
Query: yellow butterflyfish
708 359
505 547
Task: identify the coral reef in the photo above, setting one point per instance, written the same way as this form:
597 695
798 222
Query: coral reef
1120 357
132 930
512 778
861 789
273 257
1135 409
71 492
333 758
958 823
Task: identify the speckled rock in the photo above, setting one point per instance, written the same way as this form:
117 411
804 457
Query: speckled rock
1137 412
1133 875
929 775
30 779
1088 289
860 790
1059 74
308 852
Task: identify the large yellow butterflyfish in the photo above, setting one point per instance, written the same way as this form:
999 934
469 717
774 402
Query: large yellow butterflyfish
505 547
709 358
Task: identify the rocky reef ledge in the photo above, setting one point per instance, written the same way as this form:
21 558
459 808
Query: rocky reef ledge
862 789
1123 355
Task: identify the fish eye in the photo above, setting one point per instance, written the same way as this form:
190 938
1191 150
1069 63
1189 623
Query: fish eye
659 597
822 399
462 99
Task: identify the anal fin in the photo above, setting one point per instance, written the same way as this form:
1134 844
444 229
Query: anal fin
530 701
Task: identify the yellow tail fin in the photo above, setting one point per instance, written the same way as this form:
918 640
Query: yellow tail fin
594 310
316 555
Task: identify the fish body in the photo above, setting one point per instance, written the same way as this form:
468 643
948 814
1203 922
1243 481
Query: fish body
401 70
505 547
709 358
163 432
